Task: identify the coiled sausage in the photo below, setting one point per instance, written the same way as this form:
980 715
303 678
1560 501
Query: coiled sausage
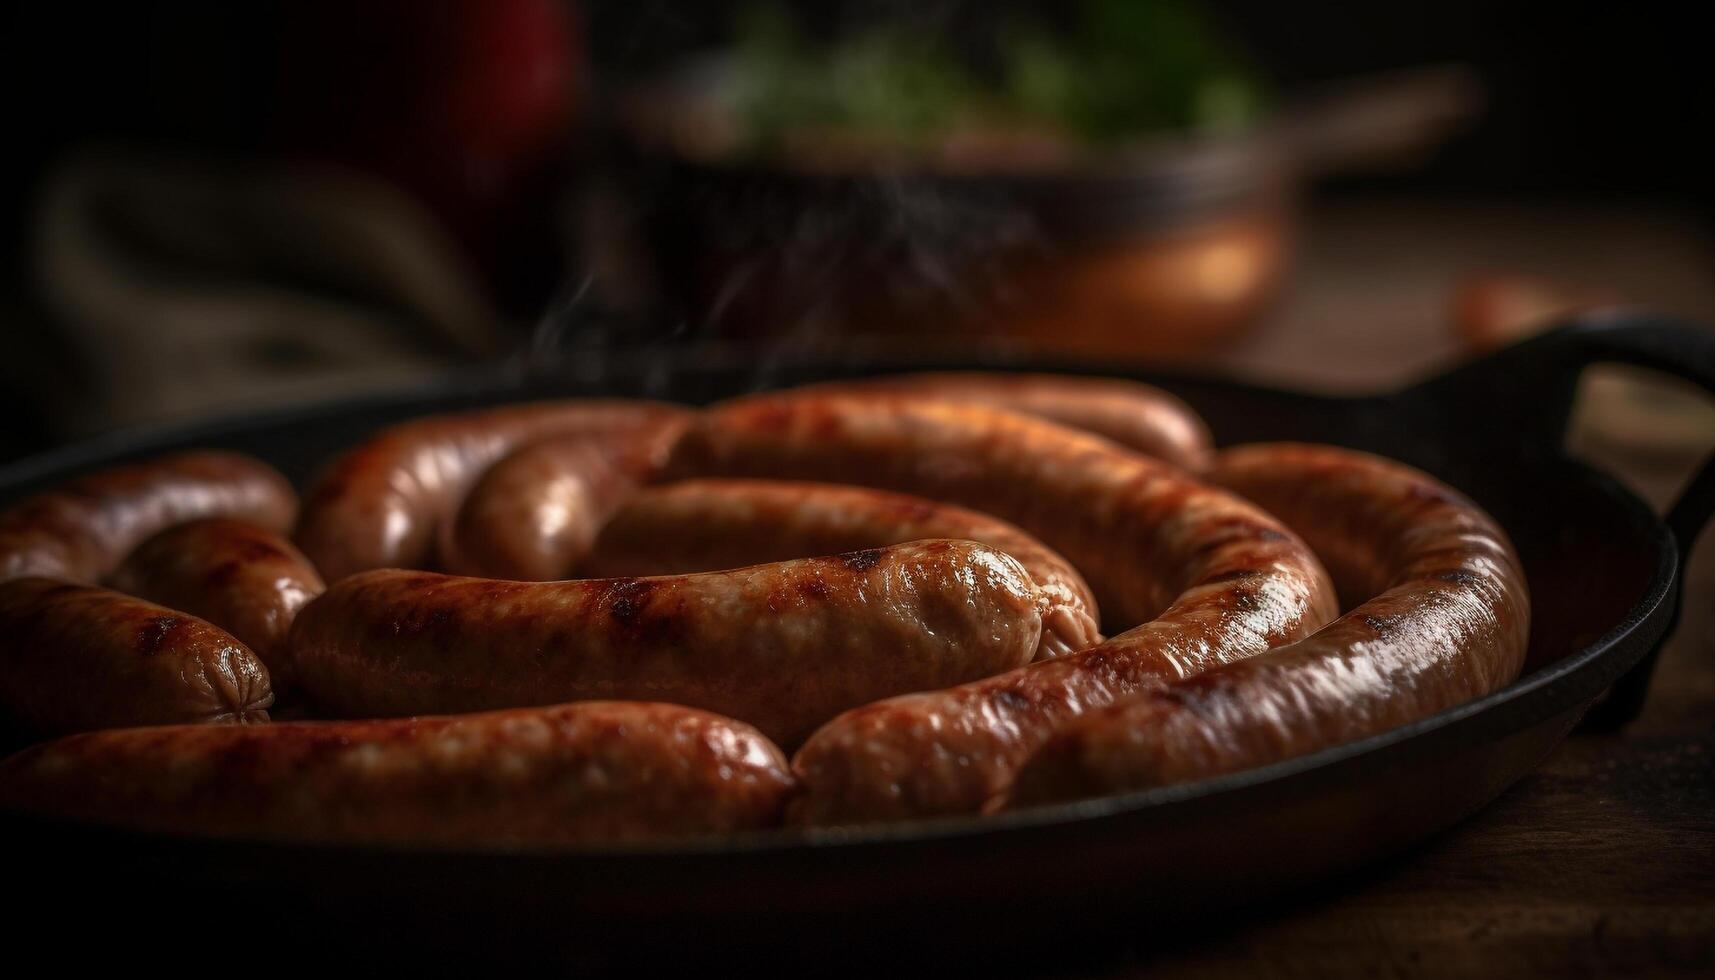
697 525
381 504
1448 623
1211 577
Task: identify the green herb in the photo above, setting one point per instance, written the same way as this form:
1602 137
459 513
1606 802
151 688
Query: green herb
1118 70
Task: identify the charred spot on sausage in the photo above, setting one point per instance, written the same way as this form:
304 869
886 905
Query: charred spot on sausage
155 632
861 561
627 598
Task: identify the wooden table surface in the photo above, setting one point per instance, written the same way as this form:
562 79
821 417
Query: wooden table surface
1602 862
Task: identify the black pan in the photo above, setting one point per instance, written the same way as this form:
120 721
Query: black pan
1032 888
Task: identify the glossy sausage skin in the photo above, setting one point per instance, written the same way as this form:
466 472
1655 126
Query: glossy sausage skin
381 504
1448 623
1135 415
1122 520
596 771
1213 578
534 514
77 657
1109 511
698 525
243 578
784 646
81 531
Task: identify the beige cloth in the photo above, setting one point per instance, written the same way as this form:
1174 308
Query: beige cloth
186 287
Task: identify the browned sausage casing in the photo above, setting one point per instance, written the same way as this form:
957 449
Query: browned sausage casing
1135 415
1448 623
82 530
241 577
1227 580
784 647
534 514
596 771
698 525
1111 512
76 657
381 504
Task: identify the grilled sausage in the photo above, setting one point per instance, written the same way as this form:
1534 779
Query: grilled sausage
784 646
703 524
1138 416
1119 518
534 514
381 504
1448 623
1220 579
77 657
595 771
82 530
243 578
73 656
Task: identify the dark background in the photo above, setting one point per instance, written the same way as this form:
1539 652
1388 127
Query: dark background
1608 104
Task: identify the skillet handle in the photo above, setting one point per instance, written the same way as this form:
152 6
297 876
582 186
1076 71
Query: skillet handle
1545 370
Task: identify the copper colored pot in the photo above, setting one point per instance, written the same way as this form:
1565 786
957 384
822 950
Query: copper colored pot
1167 294
1160 249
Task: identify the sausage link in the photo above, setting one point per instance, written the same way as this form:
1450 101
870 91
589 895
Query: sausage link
705 524
595 771
1138 416
81 531
1448 623
243 578
77 657
1108 510
1227 580
381 504
784 647
534 514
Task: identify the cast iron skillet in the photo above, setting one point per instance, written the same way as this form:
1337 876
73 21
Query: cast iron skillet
1034 887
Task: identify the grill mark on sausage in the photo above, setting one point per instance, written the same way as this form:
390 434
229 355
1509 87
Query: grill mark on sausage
626 599
223 574
1233 575
1383 626
156 632
861 561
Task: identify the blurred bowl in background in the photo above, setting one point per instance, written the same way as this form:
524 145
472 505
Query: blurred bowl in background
1168 253
1160 247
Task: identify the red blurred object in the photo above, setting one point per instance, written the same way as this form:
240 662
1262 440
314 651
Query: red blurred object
468 104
